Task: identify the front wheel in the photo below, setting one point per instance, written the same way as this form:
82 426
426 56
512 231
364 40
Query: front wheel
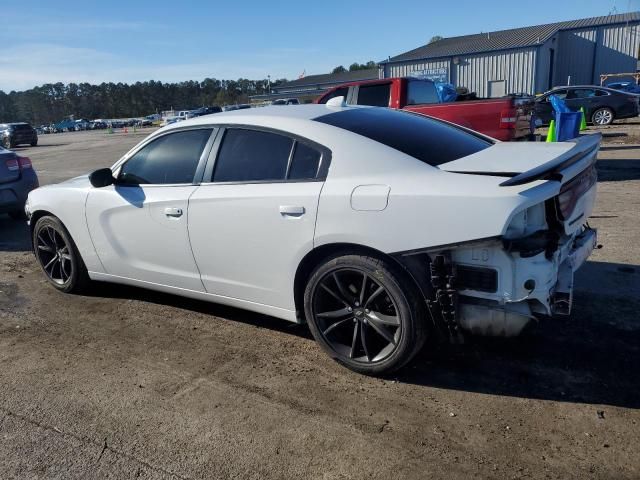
602 117
58 256
365 313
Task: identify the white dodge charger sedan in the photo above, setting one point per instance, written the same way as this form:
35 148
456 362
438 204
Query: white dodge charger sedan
375 227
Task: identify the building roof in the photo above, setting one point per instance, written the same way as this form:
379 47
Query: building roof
506 39
335 78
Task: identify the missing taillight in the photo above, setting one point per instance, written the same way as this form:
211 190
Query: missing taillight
571 192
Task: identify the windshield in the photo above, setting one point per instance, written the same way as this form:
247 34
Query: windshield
430 141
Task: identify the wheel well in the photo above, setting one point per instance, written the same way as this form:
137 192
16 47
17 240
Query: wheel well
35 216
324 252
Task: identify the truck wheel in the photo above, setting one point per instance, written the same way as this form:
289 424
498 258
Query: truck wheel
365 313
602 117
34 142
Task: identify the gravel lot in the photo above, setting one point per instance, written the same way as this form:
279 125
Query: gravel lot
127 383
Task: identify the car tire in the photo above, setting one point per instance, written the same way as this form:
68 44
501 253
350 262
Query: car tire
6 143
365 313
602 117
58 256
34 143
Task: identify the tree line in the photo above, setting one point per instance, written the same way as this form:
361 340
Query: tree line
53 102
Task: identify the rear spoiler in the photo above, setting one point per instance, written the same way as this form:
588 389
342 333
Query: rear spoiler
584 145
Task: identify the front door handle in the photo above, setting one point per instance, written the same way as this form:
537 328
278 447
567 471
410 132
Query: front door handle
173 212
291 210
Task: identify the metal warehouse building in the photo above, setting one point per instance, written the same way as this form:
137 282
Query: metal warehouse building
529 59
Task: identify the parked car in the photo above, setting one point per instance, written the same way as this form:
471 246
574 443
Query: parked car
14 134
372 225
286 101
206 111
628 87
230 108
143 122
506 118
601 105
17 179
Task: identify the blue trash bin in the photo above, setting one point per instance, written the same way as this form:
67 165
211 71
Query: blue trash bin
567 125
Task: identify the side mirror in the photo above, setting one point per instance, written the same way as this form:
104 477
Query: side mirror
102 178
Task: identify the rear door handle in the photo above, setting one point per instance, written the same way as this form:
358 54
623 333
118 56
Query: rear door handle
173 212
291 210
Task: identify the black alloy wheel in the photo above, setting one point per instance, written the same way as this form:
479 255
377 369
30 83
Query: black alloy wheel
365 314
58 256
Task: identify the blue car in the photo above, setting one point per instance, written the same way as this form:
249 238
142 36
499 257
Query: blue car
17 179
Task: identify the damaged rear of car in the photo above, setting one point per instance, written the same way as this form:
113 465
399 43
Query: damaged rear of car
491 232
501 283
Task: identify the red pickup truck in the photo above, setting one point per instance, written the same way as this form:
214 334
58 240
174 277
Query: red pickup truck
506 118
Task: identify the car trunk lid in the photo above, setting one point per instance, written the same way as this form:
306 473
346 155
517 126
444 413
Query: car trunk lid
569 163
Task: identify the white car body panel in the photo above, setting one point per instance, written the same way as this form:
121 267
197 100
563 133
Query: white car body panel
135 238
240 244
248 218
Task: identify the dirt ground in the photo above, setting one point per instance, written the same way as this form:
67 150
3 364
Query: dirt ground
127 383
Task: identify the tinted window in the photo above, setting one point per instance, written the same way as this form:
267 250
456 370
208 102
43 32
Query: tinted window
581 93
420 91
338 92
601 93
374 95
424 138
562 94
172 158
305 162
252 155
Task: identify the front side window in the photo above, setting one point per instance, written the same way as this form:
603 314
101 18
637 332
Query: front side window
170 159
374 95
252 155
421 92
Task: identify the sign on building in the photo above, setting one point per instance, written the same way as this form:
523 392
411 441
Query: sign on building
440 74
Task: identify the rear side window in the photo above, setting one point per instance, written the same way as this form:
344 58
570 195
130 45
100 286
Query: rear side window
429 140
252 155
421 92
338 92
304 163
172 158
374 95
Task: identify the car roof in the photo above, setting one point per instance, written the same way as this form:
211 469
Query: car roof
299 112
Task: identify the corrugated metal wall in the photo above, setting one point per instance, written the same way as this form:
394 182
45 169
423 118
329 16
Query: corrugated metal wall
515 67
582 54
405 69
618 50
574 57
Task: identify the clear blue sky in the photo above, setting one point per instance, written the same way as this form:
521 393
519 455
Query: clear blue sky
112 40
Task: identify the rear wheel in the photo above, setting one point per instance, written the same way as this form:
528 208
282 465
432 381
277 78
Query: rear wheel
365 314
602 116
58 256
34 142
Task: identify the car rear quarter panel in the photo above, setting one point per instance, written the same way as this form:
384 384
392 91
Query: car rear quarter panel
426 207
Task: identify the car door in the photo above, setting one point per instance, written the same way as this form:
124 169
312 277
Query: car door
139 224
578 98
543 107
253 217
